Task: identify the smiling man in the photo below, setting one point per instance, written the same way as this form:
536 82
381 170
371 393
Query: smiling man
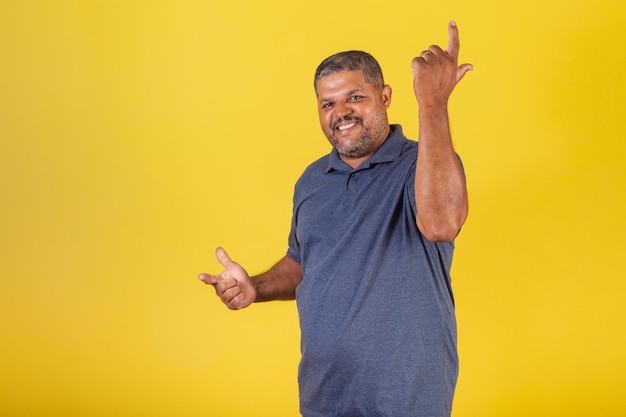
370 247
346 102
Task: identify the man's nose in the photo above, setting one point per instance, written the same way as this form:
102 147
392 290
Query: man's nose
343 110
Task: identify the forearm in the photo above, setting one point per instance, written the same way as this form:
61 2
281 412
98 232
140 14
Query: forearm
280 282
440 190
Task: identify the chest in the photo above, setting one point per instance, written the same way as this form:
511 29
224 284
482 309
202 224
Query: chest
352 206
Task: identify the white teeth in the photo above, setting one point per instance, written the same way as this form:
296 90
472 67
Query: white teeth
344 127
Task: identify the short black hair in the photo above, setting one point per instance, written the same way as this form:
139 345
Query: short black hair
351 61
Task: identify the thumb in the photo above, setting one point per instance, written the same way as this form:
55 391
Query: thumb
462 70
223 258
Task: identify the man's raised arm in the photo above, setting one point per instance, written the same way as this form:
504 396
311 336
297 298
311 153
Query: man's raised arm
440 190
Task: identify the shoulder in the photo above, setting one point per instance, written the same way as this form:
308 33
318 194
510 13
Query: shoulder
313 173
316 168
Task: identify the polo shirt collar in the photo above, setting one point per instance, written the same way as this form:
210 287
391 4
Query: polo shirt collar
389 151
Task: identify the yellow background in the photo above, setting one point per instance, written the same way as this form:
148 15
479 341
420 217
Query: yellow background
136 136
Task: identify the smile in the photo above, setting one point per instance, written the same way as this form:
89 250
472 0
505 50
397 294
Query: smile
344 127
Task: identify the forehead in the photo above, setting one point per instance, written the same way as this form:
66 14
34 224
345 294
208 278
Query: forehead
340 83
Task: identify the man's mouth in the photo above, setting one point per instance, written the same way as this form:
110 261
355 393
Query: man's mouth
348 126
344 124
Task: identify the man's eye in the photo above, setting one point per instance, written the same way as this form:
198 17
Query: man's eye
327 105
355 98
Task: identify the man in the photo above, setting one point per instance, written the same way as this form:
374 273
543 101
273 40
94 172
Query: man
370 247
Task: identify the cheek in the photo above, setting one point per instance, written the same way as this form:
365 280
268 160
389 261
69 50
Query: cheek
325 124
377 115
326 120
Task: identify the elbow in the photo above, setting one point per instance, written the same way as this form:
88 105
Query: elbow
443 230
440 235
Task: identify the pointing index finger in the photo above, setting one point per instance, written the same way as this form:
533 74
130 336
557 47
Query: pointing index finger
453 40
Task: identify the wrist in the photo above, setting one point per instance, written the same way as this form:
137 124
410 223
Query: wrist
433 104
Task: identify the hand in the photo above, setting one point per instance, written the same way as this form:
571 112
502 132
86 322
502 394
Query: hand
436 72
233 285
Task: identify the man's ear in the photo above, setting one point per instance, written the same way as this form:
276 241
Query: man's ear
386 95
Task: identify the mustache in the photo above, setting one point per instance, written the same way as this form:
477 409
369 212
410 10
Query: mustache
346 119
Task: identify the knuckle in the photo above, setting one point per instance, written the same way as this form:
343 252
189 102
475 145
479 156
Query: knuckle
235 302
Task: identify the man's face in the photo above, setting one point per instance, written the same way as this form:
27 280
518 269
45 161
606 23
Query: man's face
353 114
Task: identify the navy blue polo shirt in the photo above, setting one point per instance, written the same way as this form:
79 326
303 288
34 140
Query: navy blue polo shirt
378 329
